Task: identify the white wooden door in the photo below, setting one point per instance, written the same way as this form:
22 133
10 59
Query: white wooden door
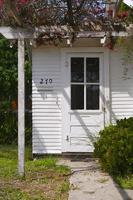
83 115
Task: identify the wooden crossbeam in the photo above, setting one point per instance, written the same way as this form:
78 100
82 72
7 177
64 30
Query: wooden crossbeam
18 33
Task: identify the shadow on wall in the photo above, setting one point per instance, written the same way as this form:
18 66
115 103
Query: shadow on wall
89 130
121 86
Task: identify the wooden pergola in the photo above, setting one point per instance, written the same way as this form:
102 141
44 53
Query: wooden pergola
20 35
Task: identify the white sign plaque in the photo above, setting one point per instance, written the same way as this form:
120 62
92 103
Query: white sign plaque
46 81
46 84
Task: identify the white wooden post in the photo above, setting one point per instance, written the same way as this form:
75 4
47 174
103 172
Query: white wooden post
21 107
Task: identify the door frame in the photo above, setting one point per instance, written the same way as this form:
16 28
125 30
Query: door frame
65 90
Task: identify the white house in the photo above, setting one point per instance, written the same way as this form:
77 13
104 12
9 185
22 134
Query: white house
76 92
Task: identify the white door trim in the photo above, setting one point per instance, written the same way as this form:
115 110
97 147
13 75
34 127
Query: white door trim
65 90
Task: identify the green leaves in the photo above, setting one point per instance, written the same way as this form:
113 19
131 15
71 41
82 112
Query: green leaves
115 147
9 92
8 70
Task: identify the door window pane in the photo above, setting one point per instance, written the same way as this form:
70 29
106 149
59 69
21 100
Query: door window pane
92 70
92 97
77 97
77 69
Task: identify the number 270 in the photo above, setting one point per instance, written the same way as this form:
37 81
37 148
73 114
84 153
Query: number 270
46 81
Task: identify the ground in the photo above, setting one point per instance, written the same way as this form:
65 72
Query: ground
49 179
88 182
44 179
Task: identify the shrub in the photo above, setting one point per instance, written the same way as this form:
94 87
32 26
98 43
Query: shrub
8 93
115 148
9 127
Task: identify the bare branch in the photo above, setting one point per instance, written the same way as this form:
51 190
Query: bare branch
70 12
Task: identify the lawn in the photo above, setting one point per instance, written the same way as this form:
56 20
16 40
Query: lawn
125 182
44 179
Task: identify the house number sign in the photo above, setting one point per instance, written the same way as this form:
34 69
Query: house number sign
46 81
46 84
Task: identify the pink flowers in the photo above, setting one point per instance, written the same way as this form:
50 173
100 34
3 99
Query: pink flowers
23 1
18 1
1 3
122 14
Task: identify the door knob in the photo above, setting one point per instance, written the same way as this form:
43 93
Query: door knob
103 109
67 138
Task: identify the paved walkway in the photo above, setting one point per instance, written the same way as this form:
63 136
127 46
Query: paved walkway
88 182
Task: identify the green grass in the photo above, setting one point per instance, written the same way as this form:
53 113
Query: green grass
44 179
125 182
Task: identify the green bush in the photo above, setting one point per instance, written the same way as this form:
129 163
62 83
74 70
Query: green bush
9 127
9 93
114 148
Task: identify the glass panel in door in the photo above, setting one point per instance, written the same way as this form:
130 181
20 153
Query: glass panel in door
85 83
77 70
92 70
92 83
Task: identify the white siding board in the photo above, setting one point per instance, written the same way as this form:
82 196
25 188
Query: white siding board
122 106
57 136
40 100
47 70
47 110
45 149
46 106
47 140
121 88
44 94
52 58
46 121
47 126
52 74
47 118
45 103
49 133
42 145
45 114
46 129
122 103
47 146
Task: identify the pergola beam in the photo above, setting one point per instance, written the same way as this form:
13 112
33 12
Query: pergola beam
16 33
19 33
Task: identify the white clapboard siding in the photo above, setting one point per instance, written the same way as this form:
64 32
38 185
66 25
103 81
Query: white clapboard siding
121 87
46 98
47 136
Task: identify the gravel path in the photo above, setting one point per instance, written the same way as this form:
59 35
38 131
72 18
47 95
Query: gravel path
88 182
